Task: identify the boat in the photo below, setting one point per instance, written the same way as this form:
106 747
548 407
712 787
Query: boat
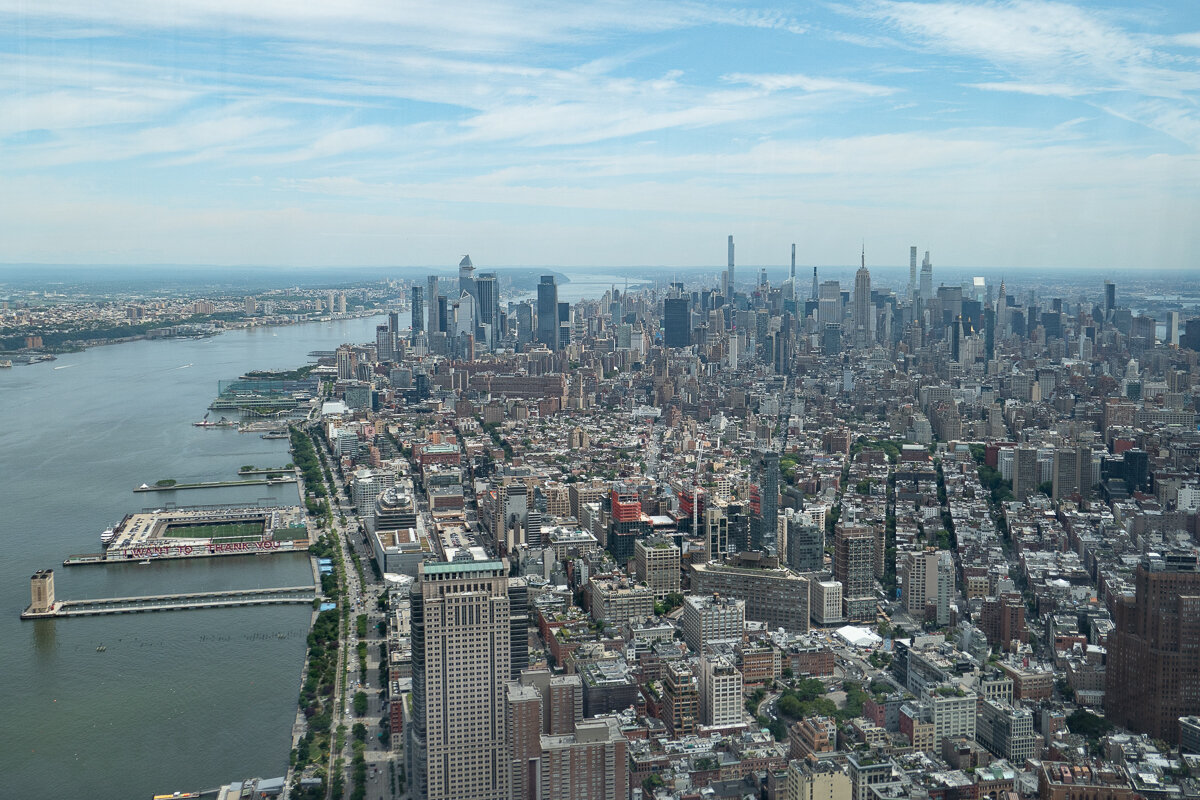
5 364
146 561
221 423
274 435
109 534
101 649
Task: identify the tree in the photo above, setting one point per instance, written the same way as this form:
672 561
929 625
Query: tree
360 703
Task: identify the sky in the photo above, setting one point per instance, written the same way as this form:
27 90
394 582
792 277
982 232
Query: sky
384 132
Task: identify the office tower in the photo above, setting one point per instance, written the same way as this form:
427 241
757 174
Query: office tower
443 313
926 278
913 288
383 343
676 322
805 542
862 305
720 691
815 294
431 296
461 639
1110 298
927 584
564 325
711 619
1153 672
1173 328
547 311
793 267
1026 472
764 499
656 563
853 567
731 273
466 276
524 314
488 311
418 310
829 310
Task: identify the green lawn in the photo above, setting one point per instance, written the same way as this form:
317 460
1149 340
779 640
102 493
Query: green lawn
227 532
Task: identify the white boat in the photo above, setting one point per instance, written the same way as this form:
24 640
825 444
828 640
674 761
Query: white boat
108 535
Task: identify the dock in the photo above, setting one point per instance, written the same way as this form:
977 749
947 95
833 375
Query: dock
219 484
174 602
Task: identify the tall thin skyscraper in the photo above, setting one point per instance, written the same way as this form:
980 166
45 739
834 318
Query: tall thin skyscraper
862 304
793 263
461 664
418 309
912 273
547 310
731 272
815 296
1110 297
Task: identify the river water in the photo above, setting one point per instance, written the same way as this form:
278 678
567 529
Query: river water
181 700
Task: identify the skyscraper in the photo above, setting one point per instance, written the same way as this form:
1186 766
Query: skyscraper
1153 673
912 273
731 273
488 311
862 304
764 499
676 328
460 667
547 310
418 310
853 567
1026 472
466 276
815 296
431 296
829 308
805 542
926 278
1110 298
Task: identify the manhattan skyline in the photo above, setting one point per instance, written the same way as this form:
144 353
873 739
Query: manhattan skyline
998 134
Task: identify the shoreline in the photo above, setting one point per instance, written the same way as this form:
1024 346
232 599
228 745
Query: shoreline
88 344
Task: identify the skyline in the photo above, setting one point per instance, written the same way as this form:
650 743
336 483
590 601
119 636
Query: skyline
1041 134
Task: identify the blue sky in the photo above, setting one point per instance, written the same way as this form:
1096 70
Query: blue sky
376 132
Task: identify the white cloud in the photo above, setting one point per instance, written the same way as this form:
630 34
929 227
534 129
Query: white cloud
807 83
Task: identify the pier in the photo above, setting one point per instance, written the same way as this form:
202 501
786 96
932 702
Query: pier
219 484
173 602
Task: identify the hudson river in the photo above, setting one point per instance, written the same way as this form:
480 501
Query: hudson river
183 700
